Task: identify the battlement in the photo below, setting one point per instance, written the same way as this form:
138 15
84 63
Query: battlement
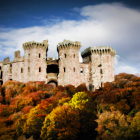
33 44
6 60
68 44
17 54
98 50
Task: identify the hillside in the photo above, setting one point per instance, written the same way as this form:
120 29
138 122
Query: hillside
36 111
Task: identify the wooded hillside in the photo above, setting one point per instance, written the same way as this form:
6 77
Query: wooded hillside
36 111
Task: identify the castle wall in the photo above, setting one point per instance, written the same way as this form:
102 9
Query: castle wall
16 71
84 77
6 72
98 65
104 73
95 70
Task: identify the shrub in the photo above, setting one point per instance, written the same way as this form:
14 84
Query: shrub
27 109
58 89
71 90
1 99
113 125
81 87
79 99
5 111
16 115
133 112
22 102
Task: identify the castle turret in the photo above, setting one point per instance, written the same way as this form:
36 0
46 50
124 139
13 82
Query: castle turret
69 70
35 55
101 60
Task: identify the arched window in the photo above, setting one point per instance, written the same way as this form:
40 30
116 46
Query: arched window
74 55
64 69
65 55
39 69
74 69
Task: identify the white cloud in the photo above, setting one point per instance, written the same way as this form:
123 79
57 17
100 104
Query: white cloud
80 58
126 69
112 25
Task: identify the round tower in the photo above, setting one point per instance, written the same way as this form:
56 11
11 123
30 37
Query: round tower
69 69
35 55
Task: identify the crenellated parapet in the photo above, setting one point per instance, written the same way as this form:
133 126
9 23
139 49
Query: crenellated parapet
67 44
6 60
33 44
17 54
98 50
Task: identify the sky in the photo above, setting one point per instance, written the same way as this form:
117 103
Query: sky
93 23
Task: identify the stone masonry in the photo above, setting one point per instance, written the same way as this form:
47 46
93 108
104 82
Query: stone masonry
96 69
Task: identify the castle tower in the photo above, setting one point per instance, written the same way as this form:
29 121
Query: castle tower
69 70
101 63
35 55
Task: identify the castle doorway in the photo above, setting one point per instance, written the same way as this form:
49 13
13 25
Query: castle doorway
52 74
91 87
53 83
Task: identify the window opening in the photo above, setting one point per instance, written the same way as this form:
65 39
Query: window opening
64 69
101 84
101 71
28 55
39 69
39 55
74 69
74 55
28 69
65 55
81 70
21 70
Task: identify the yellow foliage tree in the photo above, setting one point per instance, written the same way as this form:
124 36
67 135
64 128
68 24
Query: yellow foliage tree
62 123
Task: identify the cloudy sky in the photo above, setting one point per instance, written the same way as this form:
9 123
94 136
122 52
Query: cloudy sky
93 23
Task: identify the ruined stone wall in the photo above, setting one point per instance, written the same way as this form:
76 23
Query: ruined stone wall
16 71
6 64
98 65
5 72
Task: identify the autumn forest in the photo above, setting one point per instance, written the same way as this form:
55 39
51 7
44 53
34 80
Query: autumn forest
37 111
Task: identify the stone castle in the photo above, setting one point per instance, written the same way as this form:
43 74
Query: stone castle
96 69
